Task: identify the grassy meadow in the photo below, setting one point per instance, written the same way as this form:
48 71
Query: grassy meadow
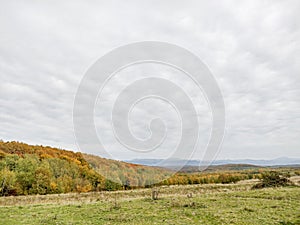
182 204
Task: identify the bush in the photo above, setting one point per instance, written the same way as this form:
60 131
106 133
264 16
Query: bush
273 179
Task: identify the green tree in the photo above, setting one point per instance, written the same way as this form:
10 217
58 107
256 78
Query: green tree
42 180
7 182
25 169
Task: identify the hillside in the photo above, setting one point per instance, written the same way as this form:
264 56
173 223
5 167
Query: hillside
27 169
127 173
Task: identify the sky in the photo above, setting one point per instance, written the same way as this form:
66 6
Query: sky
251 47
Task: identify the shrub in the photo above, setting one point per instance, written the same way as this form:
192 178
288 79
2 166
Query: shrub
273 179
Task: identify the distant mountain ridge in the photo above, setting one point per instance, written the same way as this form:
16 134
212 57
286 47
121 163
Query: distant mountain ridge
257 162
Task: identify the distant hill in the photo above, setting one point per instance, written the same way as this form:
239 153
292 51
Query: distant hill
216 168
175 162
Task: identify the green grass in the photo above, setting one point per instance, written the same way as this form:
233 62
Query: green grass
210 204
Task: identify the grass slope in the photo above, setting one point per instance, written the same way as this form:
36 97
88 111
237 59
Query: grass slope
210 204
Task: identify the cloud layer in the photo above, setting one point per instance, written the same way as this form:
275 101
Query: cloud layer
252 48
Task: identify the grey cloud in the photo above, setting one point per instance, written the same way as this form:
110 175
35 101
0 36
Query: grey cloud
252 48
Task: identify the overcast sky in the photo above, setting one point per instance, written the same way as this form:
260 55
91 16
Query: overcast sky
252 48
